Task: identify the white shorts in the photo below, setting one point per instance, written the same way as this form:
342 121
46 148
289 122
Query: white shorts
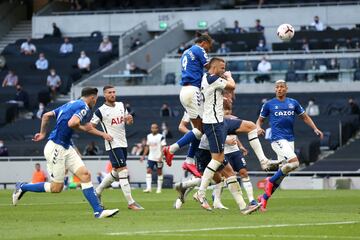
284 149
59 159
191 99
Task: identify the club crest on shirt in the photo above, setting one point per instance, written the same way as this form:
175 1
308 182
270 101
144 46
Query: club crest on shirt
291 106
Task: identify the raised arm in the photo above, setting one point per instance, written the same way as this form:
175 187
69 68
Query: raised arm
44 125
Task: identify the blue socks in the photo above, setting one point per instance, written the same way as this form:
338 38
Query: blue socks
89 194
193 148
278 175
186 139
33 187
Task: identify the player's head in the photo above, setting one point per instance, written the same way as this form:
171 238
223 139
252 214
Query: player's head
89 95
217 66
109 94
281 88
204 41
154 128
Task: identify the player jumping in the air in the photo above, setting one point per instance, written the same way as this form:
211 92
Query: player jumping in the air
113 116
193 61
154 143
281 112
60 154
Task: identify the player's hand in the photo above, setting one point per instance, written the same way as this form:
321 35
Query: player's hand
107 137
232 141
227 74
260 132
142 158
129 119
319 133
38 137
244 150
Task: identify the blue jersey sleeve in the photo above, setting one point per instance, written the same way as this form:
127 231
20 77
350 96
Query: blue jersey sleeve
265 110
298 108
202 55
57 111
81 111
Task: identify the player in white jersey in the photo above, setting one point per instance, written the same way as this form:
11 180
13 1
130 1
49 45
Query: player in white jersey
113 117
154 144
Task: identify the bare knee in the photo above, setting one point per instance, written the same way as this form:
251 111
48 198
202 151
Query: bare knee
159 172
56 187
243 173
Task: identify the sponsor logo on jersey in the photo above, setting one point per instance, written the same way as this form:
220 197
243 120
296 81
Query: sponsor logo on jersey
284 113
117 120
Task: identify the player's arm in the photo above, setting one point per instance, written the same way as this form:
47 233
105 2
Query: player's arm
241 147
75 123
145 153
307 119
259 122
163 144
230 83
44 125
129 120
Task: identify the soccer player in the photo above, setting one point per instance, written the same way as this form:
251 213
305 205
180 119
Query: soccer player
60 154
281 112
113 117
154 143
212 87
193 61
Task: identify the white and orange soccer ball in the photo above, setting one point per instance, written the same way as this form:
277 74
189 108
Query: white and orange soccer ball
285 32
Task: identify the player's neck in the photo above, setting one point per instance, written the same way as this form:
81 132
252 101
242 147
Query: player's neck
110 104
282 98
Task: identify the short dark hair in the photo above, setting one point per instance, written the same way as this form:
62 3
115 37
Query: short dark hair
215 59
88 91
204 38
107 87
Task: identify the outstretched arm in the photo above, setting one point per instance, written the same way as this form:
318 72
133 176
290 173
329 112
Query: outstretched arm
307 119
75 123
44 125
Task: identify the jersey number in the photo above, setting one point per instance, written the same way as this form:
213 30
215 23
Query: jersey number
184 63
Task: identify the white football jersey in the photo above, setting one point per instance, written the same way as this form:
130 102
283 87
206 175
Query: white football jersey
155 143
112 121
231 148
212 88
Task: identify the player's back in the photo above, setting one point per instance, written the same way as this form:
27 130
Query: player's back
62 133
192 66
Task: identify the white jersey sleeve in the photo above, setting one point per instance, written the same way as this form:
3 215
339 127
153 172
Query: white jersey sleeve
95 118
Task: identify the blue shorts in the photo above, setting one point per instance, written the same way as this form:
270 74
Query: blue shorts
154 164
216 134
118 157
236 160
203 157
231 125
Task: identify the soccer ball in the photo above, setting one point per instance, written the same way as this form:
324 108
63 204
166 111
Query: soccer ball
285 32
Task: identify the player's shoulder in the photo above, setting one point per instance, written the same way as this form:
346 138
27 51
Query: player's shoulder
292 100
80 104
211 78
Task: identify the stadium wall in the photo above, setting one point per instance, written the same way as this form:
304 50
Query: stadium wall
115 24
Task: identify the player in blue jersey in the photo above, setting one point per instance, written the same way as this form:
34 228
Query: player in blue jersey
193 62
281 112
61 155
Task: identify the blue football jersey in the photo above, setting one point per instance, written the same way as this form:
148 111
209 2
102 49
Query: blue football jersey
192 66
62 133
281 117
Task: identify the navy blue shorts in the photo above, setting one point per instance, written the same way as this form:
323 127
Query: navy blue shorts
236 160
216 134
118 157
203 157
231 125
154 165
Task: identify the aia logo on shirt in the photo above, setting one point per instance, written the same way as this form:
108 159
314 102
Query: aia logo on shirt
117 120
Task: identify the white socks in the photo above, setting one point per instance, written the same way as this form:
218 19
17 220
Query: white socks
193 182
189 160
288 167
107 181
217 192
125 186
159 183
148 181
173 148
256 145
47 187
208 175
235 189
248 188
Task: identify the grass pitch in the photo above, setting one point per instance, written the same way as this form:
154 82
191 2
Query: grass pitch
290 215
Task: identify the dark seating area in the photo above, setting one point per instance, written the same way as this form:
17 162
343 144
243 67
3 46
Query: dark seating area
243 42
333 109
327 39
34 80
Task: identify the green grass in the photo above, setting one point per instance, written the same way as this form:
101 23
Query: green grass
68 216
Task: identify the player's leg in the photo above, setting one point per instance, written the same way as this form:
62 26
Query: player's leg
150 166
216 136
159 167
190 98
285 151
247 185
75 165
219 184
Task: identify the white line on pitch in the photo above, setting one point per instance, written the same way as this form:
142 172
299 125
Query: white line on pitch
231 228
